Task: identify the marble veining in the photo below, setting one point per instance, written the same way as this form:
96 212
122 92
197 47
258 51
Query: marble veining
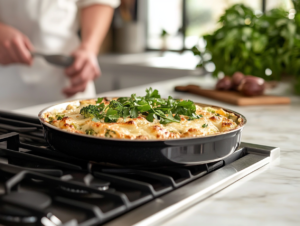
268 196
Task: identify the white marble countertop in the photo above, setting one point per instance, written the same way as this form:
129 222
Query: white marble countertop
153 59
269 196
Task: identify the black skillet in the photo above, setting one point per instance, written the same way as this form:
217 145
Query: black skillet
186 151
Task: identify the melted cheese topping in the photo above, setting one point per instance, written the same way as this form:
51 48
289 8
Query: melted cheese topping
214 121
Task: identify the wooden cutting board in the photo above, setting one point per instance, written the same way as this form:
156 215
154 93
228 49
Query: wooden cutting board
234 97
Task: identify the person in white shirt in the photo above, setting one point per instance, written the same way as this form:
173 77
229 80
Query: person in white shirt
51 27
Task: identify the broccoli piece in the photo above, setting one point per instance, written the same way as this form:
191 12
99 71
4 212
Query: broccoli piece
115 105
91 111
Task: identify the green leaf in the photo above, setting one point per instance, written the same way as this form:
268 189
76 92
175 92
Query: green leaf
280 22
99 100
160 113
194 116
150 117
111 118
143 106
152 93
185 103
125 112
297 19
164 109
133 97
59 117
177 117
101 106
165 121
155 94
259 43
205 125
111 111
170 116
164 33
171 102
181 111
122 100
90 132
50 119
195 51
133 112
111 115
157 101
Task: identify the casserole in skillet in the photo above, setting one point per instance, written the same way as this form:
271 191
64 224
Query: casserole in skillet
142 130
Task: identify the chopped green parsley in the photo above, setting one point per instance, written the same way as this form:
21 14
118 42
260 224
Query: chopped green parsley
59 117
205 125
90 132
151 105
50 119
109 132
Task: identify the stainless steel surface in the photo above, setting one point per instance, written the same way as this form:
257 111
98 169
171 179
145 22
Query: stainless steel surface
57 59
169 205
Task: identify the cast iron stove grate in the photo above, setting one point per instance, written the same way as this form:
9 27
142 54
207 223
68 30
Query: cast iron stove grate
39 186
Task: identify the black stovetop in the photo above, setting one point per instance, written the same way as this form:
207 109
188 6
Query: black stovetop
39 186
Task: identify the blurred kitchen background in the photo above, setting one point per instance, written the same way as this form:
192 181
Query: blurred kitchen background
151 40
157 40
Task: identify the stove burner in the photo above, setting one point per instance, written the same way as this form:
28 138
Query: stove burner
13 214
21 220
16 215
31 199
72 190
87 180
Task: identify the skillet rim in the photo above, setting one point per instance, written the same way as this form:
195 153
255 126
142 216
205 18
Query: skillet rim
244 122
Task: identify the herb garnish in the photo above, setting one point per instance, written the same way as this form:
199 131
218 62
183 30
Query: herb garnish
108 133
205 125
150 105
60 117
50 119
89 132
211 111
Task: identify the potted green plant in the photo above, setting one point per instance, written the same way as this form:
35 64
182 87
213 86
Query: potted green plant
266 46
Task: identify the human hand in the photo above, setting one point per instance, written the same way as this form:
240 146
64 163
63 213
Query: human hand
15 47
84 69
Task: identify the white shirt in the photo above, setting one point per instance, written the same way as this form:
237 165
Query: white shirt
51 26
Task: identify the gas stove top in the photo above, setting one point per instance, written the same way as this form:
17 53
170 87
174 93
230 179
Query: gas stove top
39 186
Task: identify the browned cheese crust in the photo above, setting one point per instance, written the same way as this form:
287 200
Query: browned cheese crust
214 121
